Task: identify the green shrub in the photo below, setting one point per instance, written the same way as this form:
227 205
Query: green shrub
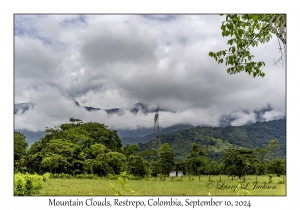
111 176
90 176
27 184
77 176
36 181
19 184
46 177
63 175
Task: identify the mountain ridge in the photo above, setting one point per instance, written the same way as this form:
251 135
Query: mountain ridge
216 139
138 107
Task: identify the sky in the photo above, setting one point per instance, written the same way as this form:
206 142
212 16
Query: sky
115 61
232 85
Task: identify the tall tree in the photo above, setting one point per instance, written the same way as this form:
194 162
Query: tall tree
196 160
166 159
239 162
130 149
136 166
85 135
248 31
273 146
277 166
261 154
20 146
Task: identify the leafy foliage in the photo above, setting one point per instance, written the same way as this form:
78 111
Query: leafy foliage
85 135
27 184
239 162
136 166
196 161
247 31
20 145
166 159
130 149
73 151
277 166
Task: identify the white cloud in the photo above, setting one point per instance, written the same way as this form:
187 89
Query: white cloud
111 61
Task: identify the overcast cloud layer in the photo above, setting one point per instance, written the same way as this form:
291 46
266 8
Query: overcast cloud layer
109 61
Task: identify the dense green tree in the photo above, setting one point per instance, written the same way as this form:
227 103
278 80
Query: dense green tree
261 169
130 149
79 136
239 162
165 148
31 163
149 155
136 166
166 160
155 168
36 147
215 167
67 155
98 166
76 147
97 149
88 166
110 163
277 166
196 160
52 162
246 31
261 154
20 145
100 134
85 135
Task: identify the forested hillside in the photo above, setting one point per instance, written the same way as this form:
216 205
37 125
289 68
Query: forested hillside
217 139
91 148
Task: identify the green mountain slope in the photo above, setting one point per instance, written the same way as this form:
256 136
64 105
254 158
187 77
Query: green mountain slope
217 139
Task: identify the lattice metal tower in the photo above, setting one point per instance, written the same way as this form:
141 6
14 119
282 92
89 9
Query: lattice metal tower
156 143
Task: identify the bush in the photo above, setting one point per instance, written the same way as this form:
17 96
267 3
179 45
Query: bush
46 177
27 184
36 181
123 175
60 176
90 176
77 176
19 184
111 176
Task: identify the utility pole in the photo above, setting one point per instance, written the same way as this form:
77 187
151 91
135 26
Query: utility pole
156 143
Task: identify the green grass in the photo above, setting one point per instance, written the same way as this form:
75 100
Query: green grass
160 187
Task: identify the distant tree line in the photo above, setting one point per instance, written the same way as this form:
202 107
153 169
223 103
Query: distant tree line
91 148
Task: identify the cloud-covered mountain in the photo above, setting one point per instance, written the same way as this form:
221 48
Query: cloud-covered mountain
234 118
23 107
139 107
246 117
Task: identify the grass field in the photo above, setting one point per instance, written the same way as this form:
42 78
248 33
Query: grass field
168 187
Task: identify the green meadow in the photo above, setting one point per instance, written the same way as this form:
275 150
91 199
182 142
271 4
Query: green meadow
176 186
